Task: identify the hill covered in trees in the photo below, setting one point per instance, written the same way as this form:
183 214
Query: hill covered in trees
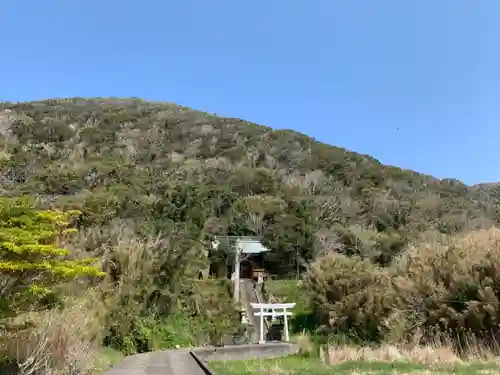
163 165
149 184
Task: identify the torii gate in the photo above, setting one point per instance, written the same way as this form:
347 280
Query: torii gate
269 309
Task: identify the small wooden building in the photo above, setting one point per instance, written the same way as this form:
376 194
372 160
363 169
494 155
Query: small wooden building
251 259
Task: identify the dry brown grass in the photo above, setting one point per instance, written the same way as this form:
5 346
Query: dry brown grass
424 355
59 341
431 360
305 344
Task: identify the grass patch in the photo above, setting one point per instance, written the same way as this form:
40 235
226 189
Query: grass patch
282 291
289 291
286 365
300 365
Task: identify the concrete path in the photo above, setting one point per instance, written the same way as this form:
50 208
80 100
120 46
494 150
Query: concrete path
168 362
181 362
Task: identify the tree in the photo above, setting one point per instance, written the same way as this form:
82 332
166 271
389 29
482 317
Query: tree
32 260
290 236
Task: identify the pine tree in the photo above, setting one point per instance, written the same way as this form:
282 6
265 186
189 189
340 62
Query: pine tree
32 260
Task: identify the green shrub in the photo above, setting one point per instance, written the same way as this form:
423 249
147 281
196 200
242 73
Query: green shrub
454 283
445 285
350 294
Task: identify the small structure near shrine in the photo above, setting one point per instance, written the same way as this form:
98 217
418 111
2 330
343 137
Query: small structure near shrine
273 310
248 252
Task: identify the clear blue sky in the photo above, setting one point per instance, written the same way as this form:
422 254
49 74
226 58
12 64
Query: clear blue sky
415 83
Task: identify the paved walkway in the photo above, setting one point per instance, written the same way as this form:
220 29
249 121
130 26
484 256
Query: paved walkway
168 362
181 362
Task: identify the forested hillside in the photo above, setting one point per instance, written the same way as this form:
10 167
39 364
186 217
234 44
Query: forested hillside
138 189
165 165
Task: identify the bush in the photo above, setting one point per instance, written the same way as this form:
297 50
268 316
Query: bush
351 295
443 285
454 282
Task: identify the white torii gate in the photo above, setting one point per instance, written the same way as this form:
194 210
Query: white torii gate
269 309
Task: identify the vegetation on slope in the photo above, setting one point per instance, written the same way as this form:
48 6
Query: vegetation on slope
154 182
165 164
